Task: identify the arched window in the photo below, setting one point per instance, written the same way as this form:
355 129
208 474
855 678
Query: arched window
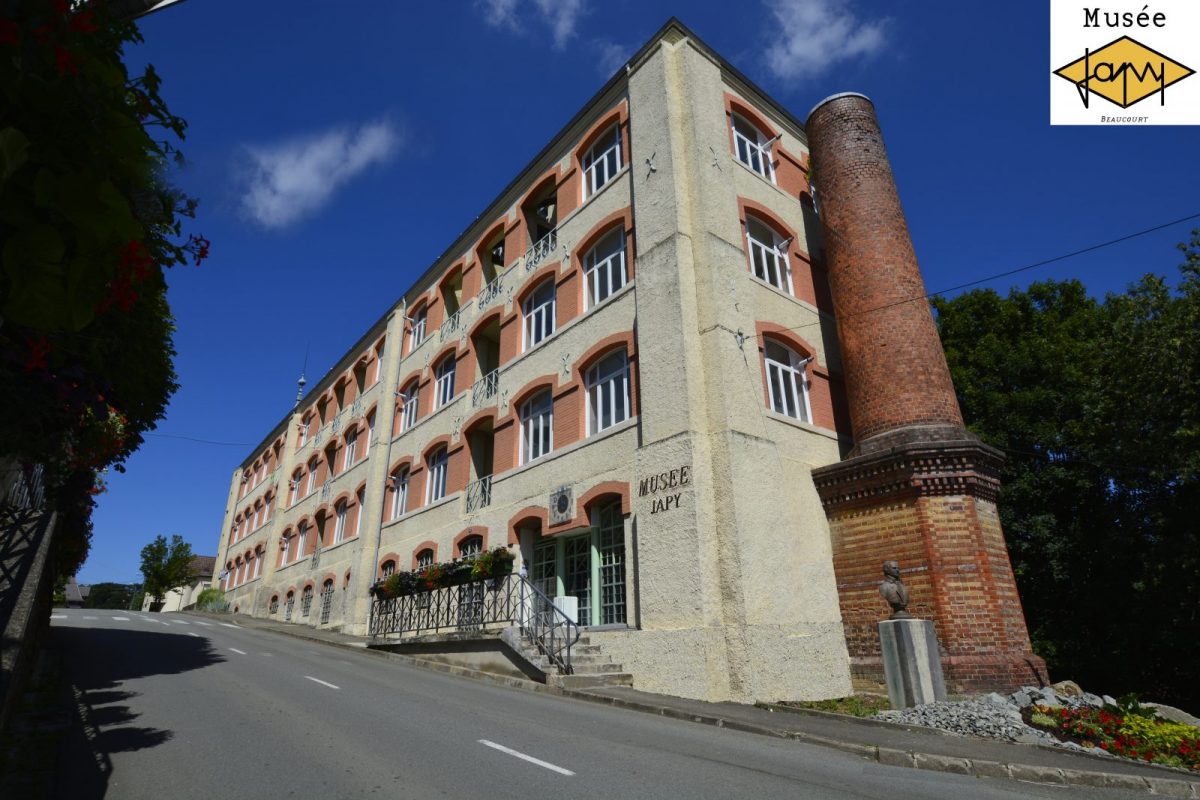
258 559
258 513
294 485
291 604
611 549
537 426
608 392
351 449
359 496
753 148
306 600
444 391
339 528
470 546
285 547
425 558
768 254
604 267
408 406
370 434
539 313
388 568
399 481
326 600
416 333
787 387
602 161
312 476
274 607
435 488
305 429
301 539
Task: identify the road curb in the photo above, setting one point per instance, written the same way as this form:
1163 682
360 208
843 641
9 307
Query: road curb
979 768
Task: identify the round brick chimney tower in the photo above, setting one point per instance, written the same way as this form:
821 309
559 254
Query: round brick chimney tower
895 369
918 487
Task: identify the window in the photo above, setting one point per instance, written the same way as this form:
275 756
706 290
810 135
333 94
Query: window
370 434
768 255
416 334
258 512
408 407
753 148
388 568
351 449
425 558
258 564
358 515
436 488
444 391
291 603
306 601
537 426
611 548
294 485
787 388
285 548
602 161
326 601
305 429
274 607
301 537
604 267
539 313
470 546
608 392
339 528
312 477
399 493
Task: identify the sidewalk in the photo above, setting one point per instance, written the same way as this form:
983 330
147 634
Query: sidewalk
885 742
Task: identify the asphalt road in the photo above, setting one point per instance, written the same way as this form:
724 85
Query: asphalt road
175 706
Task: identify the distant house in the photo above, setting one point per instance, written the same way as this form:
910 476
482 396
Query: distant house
201 570
76 594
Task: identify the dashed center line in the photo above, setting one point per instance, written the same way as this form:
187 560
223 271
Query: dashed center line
323 683
179 622
121 619
525 757
205 624
90 618
198 636
58 616
239 652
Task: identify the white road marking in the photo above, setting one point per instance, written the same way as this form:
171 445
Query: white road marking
198 636
89 617
58 616
228 625
239 652
121 619
268 654
205 624
180 622
523 757
323 683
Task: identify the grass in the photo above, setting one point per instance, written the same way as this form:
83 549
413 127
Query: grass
857 705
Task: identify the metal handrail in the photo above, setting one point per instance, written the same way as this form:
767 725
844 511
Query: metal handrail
470 606
485 388
452 323
489 293
540 250
547 626
479 493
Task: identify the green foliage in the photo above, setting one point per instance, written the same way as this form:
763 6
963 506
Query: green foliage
858 705
87 225
212 599
1097 406
1128 730
109 595
138 600
166 566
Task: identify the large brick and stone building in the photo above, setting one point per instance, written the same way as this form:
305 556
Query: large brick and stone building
678 392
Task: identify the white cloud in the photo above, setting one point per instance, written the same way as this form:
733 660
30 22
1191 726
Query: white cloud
561 16
813 35
293 179
610 56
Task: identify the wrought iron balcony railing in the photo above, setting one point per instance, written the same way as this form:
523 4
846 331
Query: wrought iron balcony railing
489 293
479 493
453 323
541 250
484 389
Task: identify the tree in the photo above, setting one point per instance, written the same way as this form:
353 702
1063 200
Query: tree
1097 406
109 595
165 566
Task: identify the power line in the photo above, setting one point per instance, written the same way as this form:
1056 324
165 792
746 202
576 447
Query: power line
194 439
1006 273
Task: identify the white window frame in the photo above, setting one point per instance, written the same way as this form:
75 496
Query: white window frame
435 484
408 408
287 548
351 456
537 426
301 535
305 430
768 260
425 558
416 334
370 434
311 484
608 392
399 493
754 152
444 388
539 314
787 383
602 161
470 546
359 497
258 513
257 565
339 526
388 568
604 270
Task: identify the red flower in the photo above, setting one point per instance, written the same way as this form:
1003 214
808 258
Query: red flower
199 247
64 62
8 32
1104 745
39 348
136 259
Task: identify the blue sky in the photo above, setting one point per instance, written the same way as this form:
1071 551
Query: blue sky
342 150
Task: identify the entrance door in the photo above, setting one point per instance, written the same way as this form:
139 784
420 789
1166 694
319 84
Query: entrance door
577 578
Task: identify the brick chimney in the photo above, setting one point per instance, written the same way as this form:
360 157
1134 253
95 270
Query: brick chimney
917 486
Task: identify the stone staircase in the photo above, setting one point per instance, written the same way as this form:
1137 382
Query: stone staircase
590 666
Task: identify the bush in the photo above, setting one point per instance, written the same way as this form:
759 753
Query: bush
212 599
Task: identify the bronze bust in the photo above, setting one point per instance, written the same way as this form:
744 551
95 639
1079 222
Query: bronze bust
894 591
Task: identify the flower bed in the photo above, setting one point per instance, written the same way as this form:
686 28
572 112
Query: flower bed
489 564
1128 730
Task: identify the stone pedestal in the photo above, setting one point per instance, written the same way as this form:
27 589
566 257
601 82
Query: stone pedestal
911 664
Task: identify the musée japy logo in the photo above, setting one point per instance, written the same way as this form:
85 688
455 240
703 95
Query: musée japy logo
1124 63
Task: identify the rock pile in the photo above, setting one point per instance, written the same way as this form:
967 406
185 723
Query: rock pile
997 716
